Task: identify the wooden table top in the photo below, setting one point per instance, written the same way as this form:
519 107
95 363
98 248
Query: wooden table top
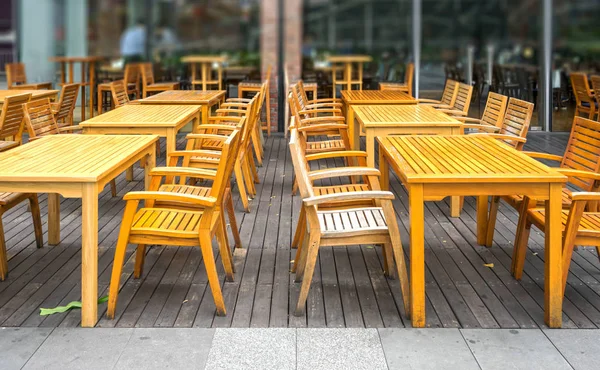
76 59
146 115
377 97
405 114
203 59
70 158
462 159
349 59
185 97
35 94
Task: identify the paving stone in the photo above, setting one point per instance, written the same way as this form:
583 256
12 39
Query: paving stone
253 349
167 348
77 348
513 349
437 349
581 348
17 345
340 349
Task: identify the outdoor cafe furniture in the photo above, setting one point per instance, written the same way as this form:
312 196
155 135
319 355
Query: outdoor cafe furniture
580 162
137 119
88 76
16 78
179 219
35 94
75 166
596 89
11 117
352 98
348 65
584 97
206 63
65 106
149 85
405 86
132 80
204 99
448 95
434 167
334 220
493 114
118 92
256 87
462 103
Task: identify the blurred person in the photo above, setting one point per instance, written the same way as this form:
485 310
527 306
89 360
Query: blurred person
133 42
166 40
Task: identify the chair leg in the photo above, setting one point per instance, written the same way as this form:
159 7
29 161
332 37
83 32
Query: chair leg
140 257
520 248
396 245
388 261
232 220
247 176
300 259
268 101
311 260
37 220
295 187
300 229
257 148
241 187
211 271
3 257
226 255
253 170
113 188
489 238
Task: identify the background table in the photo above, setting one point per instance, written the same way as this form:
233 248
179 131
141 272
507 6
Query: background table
433 167
348 61
205 99
206 62
162 120
75 166
35 94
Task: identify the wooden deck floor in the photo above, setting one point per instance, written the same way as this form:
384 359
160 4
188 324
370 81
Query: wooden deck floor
349 289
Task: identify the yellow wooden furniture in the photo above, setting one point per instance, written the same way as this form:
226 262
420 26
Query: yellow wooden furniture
596 89
17 79
406 86
348 65
313 110
462 103
11 117
35 94
206 62
132 80
151 86
65 106
205 99
178 219
584 99
580 162
448 95
88 77
343 226
256 87
434 167
10 200
75 166
118 92
493 114
351 98
162 120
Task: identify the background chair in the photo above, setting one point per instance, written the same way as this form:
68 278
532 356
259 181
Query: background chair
17 79
150 86
11 117
64 108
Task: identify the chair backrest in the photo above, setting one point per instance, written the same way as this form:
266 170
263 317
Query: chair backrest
409 75
67 101
495 108
132 73
39 118
15 74
583 150
450 92
229 155
596 88
147 73
300 170
118 90
581 88
463 98
267 77
517 119
11 117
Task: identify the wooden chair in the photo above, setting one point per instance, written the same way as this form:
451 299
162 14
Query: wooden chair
314 102
118 92
40 120
131 78
596 91
178 219
64 108
462 103
323 108
584 99
448 95
580 162
11 117
17 79
256 87
493 113
406 86
148 83
345 226
8 201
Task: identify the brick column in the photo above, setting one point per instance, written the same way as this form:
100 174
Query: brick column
293 38
269 45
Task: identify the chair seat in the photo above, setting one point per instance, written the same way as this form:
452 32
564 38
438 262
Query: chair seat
8 198
167 222
350 222
589 225
163 86
327 145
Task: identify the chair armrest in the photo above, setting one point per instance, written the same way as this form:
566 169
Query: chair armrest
552 157
320 110
173 197
480 126
470 119
70 128
317 127
452 112
184 171
229 110
195 153
228 104
208 136
419 101
354 195
585 195
503 137
323 119
238 100
214 126
323 105
343 171
324 100
579 173
343 153
54 108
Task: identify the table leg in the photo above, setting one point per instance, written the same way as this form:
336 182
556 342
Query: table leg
100 101
129 174
150 164
82 91
370 148
417 255
482 218
353 131
205 113
53 219
553 292
92 81
385 171
455 206
171 141
89 256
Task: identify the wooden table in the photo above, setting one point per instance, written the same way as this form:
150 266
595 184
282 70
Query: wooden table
91 72
205 62
35 94
405 119
433 167
75 166
351 98
205 99
162 120
348 62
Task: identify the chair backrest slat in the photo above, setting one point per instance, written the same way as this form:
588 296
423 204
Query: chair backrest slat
463 98
583 150
450 92
66 103
495 108
409 75
581 88
118 90
147 74
229 155
517 119
39 118
15 74
132 73
11 118
300 170
596 89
